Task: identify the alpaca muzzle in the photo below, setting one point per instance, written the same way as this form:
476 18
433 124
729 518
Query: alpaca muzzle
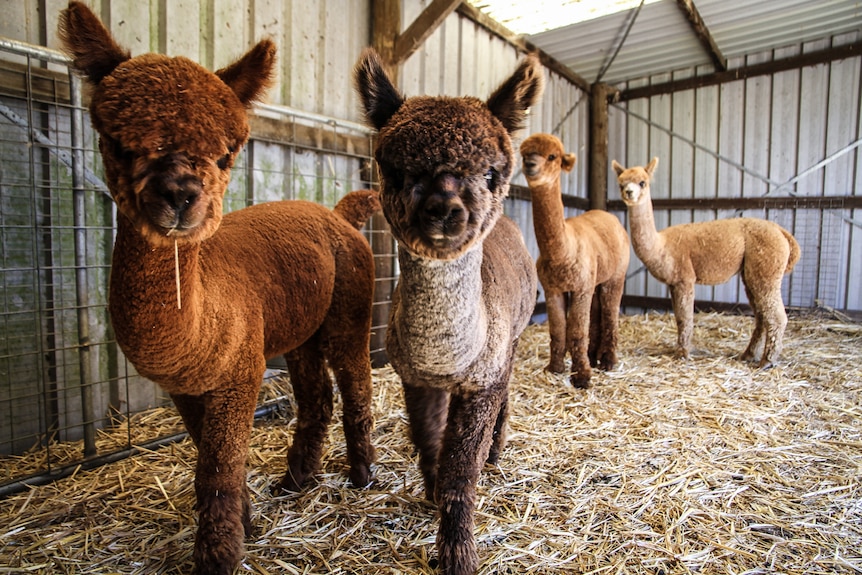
443 215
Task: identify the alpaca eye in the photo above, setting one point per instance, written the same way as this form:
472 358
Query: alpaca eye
642 184
552 157
491 179
224 163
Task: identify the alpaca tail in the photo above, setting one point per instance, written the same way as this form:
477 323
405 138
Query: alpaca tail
795 252
356 207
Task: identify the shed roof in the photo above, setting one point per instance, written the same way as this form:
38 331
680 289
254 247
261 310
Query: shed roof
662 36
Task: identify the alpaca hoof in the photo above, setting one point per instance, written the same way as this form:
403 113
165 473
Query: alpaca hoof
555 368
580 381
290 483
681 354
765 364
361 476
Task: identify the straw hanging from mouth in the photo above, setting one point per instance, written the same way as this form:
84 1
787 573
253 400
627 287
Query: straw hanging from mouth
177 274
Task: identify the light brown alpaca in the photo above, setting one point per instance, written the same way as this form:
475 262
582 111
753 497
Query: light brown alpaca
467 287
289 278
711 253
580 258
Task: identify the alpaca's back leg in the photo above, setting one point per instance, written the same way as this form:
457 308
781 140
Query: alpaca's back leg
593 350
349 357
312 390
498 440
770 323
609 309
682 298
426 411
755 344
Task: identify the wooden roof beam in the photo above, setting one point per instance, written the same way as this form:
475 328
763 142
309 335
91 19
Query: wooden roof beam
703 35
421 28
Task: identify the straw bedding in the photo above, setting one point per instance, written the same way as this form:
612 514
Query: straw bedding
662 467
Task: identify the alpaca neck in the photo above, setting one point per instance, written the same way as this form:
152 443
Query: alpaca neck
442 324
645 239
549 220
154 325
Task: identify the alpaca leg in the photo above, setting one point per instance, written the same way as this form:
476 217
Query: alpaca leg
498 440
312 389
771 307
556 304
577 326
220 478
611 296
682 297
191 408
465 446
596 328
755 344
426 411
352 366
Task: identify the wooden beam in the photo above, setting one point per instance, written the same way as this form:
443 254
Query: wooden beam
421 28
385 27
703 34
766 68
598 160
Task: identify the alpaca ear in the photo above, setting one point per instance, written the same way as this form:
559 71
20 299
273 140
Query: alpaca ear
568 161
511 101
251 75
380 99
617 167
651 166
94 51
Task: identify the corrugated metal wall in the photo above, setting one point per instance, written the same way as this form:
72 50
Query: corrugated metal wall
791 134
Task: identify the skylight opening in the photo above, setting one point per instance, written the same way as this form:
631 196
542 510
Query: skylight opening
542 15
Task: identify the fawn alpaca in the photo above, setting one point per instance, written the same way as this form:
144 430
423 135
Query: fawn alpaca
711 253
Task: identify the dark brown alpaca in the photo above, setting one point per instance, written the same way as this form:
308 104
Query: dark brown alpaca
287 278
467 287
582 265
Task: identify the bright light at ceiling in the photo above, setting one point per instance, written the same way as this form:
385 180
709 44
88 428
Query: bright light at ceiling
534 16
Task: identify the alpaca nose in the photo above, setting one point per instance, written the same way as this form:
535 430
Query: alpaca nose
443 212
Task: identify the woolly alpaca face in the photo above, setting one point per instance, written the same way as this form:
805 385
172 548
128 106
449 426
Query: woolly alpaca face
634 182
444 163
544 157
169 129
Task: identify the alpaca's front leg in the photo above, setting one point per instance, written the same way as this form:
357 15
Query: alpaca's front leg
682 297
426 411
220 478
465 449
577 326
556 305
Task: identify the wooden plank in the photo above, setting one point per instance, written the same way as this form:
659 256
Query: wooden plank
701 31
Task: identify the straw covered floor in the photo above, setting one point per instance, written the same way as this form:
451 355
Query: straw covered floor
662 467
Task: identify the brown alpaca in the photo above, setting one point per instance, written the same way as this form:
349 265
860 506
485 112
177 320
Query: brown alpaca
711 253
467 287
278 278
581 259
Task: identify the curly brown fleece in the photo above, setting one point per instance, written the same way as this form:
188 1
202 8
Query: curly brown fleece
582 265
467 287
290 278
711 253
